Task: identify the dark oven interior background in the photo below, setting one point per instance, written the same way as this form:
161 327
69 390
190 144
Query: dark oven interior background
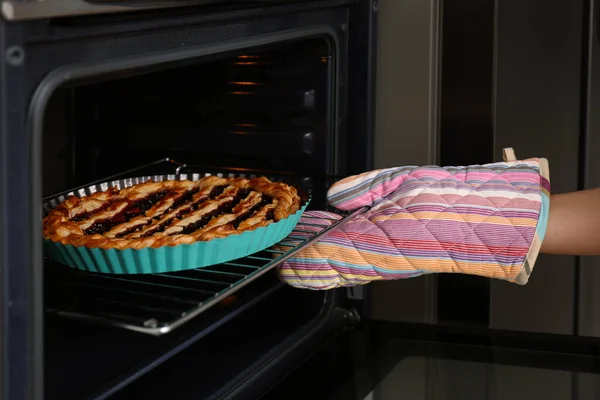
270 109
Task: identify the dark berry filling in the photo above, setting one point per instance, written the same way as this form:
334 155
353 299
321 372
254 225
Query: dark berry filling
266 200
184 203
132 210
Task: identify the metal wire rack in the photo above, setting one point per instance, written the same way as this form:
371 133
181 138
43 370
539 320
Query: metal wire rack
156 304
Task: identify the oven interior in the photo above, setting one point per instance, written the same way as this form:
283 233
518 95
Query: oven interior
266 109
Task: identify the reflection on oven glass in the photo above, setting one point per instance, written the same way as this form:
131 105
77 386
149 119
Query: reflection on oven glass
422 378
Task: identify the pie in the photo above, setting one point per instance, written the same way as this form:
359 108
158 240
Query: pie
170 213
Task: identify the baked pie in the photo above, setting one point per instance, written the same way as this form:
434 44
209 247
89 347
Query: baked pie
169 213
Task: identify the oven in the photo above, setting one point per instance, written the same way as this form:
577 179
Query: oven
98 92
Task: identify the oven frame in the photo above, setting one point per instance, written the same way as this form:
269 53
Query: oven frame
28 75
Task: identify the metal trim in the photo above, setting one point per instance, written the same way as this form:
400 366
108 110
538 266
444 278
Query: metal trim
14 10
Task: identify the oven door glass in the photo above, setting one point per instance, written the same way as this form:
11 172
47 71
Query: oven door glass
385 361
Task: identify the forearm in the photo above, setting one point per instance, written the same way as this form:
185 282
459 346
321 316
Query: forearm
574 224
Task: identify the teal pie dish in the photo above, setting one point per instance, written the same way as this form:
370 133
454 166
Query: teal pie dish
169 258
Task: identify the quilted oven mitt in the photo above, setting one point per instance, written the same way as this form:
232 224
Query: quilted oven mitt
487 220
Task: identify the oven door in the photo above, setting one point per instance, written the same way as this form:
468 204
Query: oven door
386 360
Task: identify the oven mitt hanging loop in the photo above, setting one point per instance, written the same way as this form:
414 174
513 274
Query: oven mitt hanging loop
487 220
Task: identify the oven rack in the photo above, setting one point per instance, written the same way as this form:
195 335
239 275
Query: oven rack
156 304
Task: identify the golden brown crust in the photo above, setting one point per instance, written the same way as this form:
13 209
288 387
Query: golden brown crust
170 213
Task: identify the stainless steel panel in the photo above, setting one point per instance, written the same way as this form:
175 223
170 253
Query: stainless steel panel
589 279
587 386
406 126
420 378
408 380
19 10
539 46
508 382
407 79
589 296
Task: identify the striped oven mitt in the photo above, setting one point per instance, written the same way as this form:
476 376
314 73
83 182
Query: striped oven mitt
487 220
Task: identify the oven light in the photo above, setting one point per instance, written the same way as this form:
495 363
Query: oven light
242 83
246 125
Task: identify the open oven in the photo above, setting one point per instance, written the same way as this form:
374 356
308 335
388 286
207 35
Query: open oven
96 91
274 88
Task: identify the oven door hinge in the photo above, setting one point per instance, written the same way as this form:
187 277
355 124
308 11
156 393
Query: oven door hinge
355 292
351 316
